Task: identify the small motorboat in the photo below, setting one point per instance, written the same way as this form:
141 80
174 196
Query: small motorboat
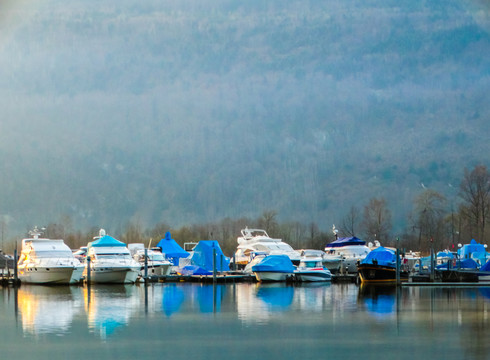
311 269
274 268
156 264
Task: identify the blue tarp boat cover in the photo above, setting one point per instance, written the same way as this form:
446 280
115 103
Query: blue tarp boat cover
466 264
344 241
468 249
275 263
173 251
445 254
381 256
202 259
486 266
106 241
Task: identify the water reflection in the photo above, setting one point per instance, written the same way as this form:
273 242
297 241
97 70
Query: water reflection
110 307
458 317
378 300
276 297
45 310
173 297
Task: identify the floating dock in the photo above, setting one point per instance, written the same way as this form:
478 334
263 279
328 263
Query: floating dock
219 278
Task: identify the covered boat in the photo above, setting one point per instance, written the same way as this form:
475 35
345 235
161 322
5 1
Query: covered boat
475 251
200 262
379 266
171 250
110 261
350 250
274 268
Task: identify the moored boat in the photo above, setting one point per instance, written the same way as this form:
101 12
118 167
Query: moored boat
350 250
257 240
274 268
47 261
311 269
110 261
156 264
379 266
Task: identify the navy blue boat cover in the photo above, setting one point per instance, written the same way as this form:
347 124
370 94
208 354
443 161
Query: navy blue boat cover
344 241
173 251
486 266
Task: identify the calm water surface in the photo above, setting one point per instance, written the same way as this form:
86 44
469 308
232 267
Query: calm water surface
244 321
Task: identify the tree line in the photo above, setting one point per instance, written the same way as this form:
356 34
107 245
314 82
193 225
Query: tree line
434 222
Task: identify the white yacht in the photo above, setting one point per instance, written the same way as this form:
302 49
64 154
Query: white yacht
156 262
350 249
257 240
47 261
110 261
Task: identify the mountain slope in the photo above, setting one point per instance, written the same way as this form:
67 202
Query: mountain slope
193 111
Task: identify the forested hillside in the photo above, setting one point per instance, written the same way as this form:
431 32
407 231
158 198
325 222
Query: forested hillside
192 111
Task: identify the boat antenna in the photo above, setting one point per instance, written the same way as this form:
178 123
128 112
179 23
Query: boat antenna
35 233
335 232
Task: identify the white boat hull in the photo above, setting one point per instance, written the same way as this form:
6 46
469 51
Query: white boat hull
113 275
313 275
157 270
272 276
77 274
46 275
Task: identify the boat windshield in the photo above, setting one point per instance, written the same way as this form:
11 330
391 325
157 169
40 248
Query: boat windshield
113 256
156 256
274 247
52 254
310 264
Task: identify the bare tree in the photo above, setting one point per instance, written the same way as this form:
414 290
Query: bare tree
351 221
133 233
268 222
475 192
430 210
377 219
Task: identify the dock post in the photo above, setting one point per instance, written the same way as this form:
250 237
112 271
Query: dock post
397 267
88 270
214 265
16 276
397 262
234 263
146 266
432 265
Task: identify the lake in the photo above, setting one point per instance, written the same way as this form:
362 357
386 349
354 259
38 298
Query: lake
244 321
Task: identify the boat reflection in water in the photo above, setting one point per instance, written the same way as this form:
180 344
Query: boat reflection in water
47 309
172 299
288 320
378 300
256 302
110 307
